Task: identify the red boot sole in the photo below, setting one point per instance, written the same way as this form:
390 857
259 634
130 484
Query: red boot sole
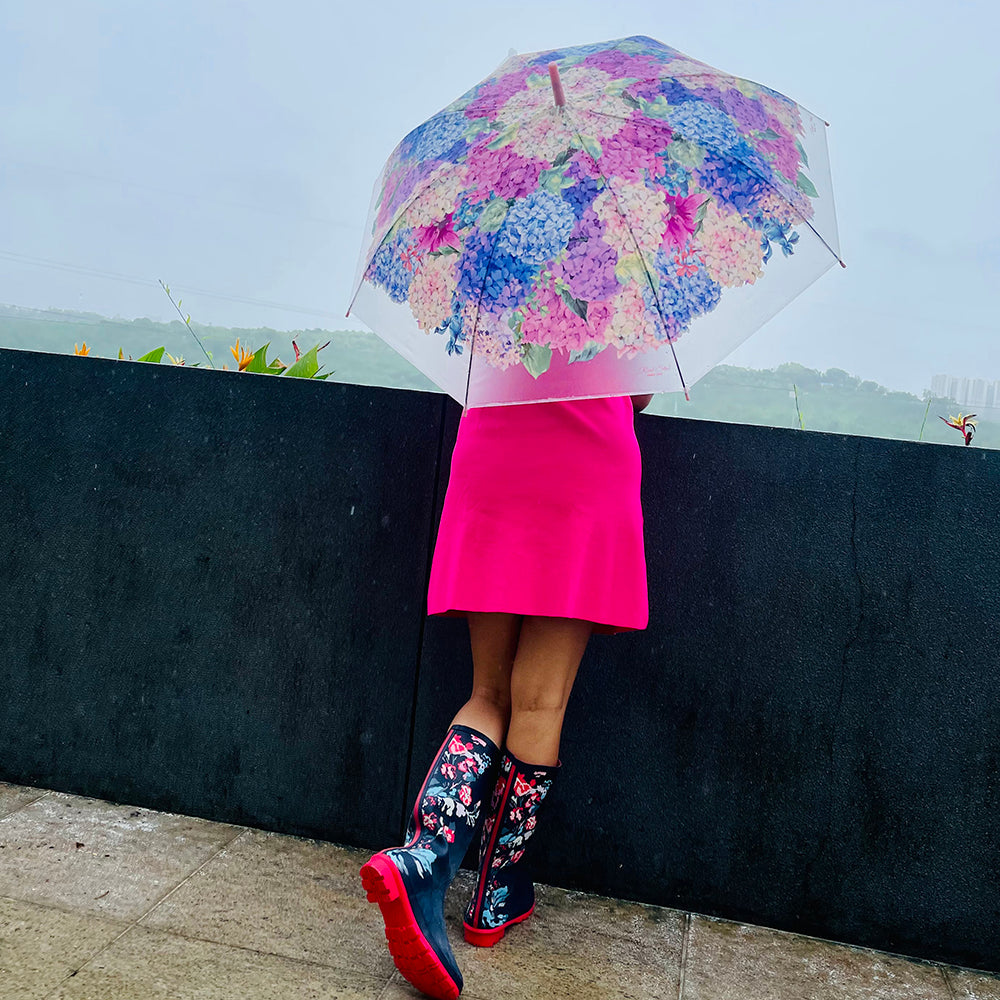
414 957
486 938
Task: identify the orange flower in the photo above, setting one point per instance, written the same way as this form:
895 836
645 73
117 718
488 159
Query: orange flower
243 357
81 351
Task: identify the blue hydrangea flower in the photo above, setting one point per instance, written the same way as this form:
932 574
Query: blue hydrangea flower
456 336
732 181
780 232
440 138
496 279
466 213
676 93
555 55
537 228
675 177
681 297
699 122
387 268
581 195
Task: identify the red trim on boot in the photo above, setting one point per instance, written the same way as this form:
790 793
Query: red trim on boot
488 937
423 788
494 833
410 950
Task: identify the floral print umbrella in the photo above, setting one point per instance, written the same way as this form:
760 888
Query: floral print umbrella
599 220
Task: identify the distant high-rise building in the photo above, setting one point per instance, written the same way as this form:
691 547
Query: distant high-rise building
969 392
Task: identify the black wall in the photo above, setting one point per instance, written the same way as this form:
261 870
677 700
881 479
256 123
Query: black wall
212 597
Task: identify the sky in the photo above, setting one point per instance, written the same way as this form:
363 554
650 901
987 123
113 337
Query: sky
230 150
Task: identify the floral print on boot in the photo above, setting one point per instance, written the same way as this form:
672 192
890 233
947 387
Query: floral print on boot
505 894
409 882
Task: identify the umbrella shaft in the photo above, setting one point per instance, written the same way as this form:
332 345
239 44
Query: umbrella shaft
557 89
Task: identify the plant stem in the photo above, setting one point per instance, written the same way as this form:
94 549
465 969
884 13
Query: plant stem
187 322
795 389
920 436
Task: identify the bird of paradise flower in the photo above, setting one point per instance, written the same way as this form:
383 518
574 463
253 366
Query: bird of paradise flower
964 424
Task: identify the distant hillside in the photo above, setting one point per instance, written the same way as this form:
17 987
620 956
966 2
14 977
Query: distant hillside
354 356
832 400
827 401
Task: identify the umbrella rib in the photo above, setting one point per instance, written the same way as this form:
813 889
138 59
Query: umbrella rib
479 303
736 159
642 260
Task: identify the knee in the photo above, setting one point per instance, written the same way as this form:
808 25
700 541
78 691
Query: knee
537 699
496 698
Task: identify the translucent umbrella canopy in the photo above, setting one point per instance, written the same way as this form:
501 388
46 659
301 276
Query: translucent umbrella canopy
607 219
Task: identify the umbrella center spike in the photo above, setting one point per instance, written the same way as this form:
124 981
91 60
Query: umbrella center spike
557 89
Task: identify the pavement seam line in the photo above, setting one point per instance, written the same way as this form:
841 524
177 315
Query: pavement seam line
388 983
134 923
685 947
948 983
24 805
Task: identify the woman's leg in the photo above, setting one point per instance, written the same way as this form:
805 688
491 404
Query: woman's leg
549 651
409 882
494 639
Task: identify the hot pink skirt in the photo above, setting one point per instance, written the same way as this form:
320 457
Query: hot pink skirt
543 515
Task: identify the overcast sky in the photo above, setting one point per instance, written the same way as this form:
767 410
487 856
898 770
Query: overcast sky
230 149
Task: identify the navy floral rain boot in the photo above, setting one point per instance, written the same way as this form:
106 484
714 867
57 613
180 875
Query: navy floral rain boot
505 894
409 882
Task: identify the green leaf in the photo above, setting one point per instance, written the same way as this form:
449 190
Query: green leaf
629 268
802 152
476 127
768 133
577 305
562 158
806 186
656 109
589 352
537 359
616 87
492 216
699 216
505 137
686 153
554 181
592 146
630 100
154 356
306 366
259 363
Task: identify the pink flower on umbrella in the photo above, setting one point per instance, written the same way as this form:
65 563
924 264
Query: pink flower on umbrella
680 215
437 235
